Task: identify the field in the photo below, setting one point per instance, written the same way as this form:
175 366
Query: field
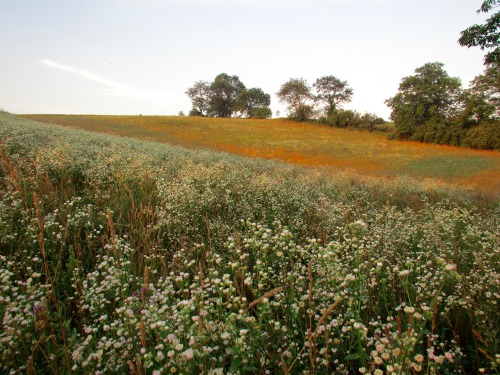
306 144
126 256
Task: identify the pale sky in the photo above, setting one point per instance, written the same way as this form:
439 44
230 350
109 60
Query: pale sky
140 56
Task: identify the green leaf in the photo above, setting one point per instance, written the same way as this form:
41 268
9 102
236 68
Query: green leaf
356 356
250 369
235 364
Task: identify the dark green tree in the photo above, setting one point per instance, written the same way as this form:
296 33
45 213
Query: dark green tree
487 35
331 92
224 92
429 95
253 103
296 94
486 89
227 96
481 116
200 98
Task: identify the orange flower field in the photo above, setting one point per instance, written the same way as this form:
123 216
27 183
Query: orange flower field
305 144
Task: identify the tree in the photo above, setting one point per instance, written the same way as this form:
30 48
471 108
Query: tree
200 98
224 92
482 98
253 103
485 36
331 91
227 96
429 95
481 116
296 93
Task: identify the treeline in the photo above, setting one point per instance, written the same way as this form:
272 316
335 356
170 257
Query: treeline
322 103
226 96
431 106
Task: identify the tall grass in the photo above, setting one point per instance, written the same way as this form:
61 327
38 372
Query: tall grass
125 256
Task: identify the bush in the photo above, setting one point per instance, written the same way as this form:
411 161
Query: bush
302 113
261 112
440 132
484 136
342 118
345 118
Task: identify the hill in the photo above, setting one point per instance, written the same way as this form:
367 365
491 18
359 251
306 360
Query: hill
305 144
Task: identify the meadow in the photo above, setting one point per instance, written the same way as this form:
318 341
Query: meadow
127 256
305 144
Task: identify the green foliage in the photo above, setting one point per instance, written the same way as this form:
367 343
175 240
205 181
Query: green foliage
429 95
342 118
200 98
439 131
331 91
301 101
227 97
224 92
485 136
261 112
297 95
370 121
487 35
482 99
430 107
254 103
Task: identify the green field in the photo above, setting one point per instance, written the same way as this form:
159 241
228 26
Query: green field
126 256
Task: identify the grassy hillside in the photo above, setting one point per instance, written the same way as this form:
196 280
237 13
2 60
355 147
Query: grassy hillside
132 257
305 144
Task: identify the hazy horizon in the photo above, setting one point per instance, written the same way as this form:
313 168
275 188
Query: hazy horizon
140 56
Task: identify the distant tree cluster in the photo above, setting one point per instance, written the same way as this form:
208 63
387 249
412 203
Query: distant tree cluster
322 102
431 106
227 96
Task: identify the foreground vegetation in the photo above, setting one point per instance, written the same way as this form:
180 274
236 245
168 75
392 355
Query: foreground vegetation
126 256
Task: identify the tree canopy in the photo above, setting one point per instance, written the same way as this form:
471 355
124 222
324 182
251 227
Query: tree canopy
254 103
429 95
296 94
482 98
224 92
487 35
431 106
227 96
331 91
200 98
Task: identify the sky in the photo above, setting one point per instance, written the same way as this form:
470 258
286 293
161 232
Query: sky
140 56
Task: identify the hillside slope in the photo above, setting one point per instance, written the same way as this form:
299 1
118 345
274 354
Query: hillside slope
305 144
123 256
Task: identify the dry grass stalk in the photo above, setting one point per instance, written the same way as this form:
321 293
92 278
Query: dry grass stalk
266 295
312 347
283 366
327 312
12 171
